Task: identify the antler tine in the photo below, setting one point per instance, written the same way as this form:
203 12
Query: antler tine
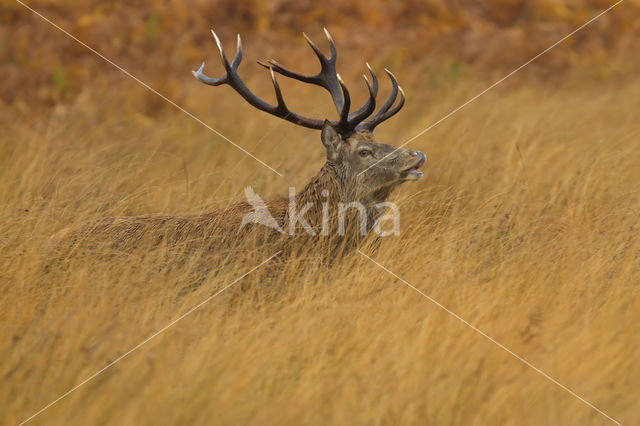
225 62
392 97
332 46
276 88
238 58
384 113
281 69
370 105
393 111
374 77
206 79
316 49
371 124
326 78
344 123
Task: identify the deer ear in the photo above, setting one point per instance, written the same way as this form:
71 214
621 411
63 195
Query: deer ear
330 137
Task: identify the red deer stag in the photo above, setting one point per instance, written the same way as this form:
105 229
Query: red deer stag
359 171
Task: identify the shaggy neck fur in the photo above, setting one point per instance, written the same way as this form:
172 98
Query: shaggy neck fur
327 191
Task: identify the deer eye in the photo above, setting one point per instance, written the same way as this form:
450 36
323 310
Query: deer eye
364 153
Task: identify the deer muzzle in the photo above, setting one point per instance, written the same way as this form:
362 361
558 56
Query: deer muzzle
413 172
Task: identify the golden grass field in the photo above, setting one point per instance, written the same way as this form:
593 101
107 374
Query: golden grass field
525 224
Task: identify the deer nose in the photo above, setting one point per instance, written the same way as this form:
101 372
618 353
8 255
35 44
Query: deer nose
421 156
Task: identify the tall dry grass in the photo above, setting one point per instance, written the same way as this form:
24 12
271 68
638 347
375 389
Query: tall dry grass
525 224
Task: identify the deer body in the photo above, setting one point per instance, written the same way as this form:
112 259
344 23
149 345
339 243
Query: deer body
358 171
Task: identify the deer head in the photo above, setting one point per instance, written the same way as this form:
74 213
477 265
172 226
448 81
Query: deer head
363 167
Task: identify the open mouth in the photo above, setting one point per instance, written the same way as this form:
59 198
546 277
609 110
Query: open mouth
413 172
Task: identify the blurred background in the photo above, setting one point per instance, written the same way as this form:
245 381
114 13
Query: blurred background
442 41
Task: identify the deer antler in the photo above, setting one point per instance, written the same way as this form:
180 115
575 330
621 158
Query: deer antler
384 112
328 78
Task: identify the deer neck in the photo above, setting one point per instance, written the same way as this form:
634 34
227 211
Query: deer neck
324 187
329 189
